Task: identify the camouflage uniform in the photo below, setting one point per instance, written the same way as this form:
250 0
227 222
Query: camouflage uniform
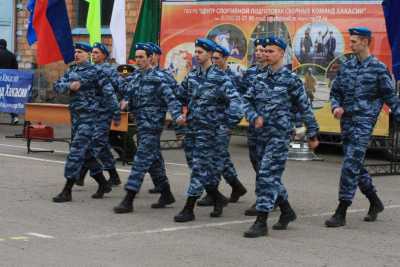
149 98
247 81
273 97
361 89
83 107
154 172
224 136
179 130
207 95
106 112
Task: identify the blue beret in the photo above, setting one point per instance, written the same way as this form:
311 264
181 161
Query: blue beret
260 41
156 49
272 40
145 47
360 31
220 49
102 48
83 46
207 44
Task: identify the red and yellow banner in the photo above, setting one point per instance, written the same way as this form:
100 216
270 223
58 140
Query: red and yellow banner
316 34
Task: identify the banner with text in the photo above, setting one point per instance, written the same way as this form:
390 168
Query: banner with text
316 33
15 90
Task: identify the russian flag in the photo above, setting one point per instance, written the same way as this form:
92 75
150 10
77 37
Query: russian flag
391 10
53 32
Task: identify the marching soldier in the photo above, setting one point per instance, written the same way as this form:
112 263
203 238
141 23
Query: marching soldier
362 86
247 80
206 90
268 107
149 97
170 80
84 82
219 58
100 54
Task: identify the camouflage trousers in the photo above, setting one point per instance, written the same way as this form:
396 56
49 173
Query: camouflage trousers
102 141
148 159
273 152
205 168
81 149
227 170
252 144
188 145
356 134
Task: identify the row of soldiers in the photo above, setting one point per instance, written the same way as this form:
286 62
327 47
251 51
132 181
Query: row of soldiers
206 105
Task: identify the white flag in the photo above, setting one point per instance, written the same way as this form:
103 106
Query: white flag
118 32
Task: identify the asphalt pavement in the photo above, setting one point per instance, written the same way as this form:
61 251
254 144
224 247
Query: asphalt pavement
34 231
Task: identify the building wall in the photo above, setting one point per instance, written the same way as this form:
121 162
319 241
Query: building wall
26 55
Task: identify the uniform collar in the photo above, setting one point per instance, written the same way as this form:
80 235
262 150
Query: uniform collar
83 65
229 70
262 68
364 63
104 64
200 71
277 72
144 72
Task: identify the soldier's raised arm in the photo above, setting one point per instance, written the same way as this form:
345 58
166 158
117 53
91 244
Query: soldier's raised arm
62 85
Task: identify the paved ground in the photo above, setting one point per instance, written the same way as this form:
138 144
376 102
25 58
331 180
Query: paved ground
36 232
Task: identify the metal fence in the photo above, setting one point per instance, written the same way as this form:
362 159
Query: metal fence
42 90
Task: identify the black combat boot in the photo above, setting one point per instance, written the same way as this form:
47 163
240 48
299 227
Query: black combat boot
287 215
375 207
126 204
220 201
154 191
206 201
339 218
259 228
103 188
82 175
251 211
187 213
165 199
65 195
238 190
114 177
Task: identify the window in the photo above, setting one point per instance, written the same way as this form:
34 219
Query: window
82 10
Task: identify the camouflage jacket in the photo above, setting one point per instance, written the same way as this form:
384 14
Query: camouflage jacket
248 77
149 98
94 83
211 98
274 96
361 89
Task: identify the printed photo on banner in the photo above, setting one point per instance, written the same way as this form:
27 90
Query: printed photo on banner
318 43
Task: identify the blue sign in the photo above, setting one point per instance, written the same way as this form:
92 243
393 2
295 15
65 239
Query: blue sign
15 90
